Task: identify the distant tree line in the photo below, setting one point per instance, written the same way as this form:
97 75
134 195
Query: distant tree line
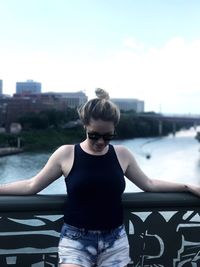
49 129
47 119
130 125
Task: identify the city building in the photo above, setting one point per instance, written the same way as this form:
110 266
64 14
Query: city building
11 109
1 87
73 99
126 104
28 87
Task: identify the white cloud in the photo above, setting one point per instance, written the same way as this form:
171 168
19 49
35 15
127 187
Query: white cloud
133 44
161 76
158 75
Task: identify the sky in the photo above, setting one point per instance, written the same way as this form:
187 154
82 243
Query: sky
143 49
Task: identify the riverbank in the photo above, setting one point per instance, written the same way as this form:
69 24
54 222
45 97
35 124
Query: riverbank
6 151
37 140
48 139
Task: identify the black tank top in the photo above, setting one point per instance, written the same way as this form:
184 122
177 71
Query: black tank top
94 188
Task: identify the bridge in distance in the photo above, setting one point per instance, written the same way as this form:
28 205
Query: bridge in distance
194 119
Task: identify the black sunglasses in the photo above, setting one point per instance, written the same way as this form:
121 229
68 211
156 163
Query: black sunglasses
97 136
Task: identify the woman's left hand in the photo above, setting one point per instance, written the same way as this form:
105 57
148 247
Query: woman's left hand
194 189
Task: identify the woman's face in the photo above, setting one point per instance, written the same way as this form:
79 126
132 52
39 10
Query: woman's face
99 133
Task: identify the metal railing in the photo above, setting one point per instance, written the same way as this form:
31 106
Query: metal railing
163 229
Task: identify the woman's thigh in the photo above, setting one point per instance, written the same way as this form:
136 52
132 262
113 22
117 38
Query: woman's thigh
75 247
72 265
69 265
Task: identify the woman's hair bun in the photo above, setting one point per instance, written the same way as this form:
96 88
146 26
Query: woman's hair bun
101 94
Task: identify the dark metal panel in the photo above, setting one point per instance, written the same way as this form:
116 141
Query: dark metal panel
163 229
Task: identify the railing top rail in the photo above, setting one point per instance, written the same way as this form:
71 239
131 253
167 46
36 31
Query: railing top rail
56 203
160 200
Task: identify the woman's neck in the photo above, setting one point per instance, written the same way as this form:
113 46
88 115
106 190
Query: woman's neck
91 150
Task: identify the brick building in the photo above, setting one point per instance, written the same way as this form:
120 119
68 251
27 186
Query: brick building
11 109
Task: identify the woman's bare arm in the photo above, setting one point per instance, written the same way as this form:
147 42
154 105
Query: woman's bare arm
51 171
134 173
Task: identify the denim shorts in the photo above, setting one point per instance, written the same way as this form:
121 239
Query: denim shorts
90 248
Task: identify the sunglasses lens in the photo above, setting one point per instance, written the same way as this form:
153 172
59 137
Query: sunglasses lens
108 137
96 136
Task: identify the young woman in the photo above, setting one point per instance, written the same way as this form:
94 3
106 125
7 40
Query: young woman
93 233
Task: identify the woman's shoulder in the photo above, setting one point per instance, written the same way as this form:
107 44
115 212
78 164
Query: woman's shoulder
120 148
122 151
64 150
123 155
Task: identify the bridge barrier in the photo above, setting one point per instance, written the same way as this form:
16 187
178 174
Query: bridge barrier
163 229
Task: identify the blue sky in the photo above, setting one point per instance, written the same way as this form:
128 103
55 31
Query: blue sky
145 49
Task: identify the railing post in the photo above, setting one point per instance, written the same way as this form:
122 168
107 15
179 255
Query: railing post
174 128
160 128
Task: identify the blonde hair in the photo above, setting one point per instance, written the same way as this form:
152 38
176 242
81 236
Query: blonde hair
99 108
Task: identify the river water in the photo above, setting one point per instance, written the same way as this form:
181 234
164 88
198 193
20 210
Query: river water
172 158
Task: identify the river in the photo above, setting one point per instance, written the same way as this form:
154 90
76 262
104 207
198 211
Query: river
172 158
